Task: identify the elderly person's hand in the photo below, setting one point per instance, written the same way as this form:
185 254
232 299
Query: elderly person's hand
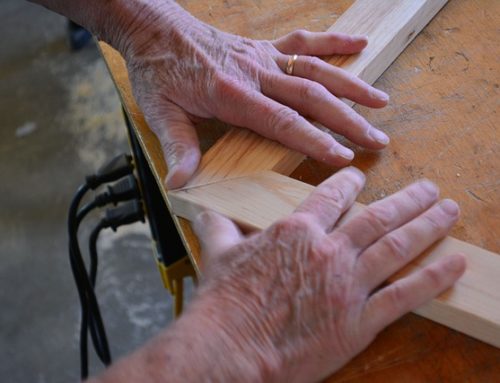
183 70
302 298
297 301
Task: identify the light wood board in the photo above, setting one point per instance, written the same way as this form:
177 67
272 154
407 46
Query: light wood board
472 306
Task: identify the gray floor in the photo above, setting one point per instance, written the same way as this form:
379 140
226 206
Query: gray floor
60 119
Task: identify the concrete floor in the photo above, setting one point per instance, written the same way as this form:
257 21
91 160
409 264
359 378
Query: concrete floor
60 119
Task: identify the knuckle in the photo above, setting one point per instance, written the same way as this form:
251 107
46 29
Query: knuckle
396 296
271 80
292 225
311 91
298 222
416 199
396 245
333 196
432 223
283 122
340 242
432 276
224 89
311 65
380 217
300 38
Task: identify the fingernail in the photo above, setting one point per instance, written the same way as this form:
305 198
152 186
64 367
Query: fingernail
380 95
449 206
360 37
201 221
170 180
171 162
429 187
357 172
379 136
343 152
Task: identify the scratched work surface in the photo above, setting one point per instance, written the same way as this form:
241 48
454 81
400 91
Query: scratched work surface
444 126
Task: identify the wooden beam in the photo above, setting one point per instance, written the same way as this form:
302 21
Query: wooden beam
389 25
472 306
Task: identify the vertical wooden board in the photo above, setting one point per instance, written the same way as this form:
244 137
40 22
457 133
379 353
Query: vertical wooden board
389 25
148 141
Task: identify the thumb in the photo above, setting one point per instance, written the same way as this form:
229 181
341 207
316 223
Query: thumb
216 233
179 142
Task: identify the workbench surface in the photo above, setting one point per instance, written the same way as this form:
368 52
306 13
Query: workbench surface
443 124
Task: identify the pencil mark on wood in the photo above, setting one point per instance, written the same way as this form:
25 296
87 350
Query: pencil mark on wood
475 196
410 36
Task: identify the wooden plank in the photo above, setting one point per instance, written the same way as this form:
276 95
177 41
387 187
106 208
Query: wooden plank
389 25
256 201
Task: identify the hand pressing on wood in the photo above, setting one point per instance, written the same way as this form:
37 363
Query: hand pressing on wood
183 70
297 301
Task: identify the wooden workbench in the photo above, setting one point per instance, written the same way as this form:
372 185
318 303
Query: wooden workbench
442 120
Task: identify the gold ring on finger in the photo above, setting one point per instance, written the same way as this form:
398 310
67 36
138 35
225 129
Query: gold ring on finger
290 64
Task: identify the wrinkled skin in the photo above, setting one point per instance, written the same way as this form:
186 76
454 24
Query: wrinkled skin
297 301
183 71
304 297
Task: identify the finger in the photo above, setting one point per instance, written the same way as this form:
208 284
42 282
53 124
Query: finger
338 81
253 110
385 215
396 249
319 43
313 100
216 233
178 140
333 197
409 293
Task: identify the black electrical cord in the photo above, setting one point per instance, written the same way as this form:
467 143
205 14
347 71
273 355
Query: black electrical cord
97 331
93 251
117 168
88 301
99 344
84 211
129 212
79 284
123 190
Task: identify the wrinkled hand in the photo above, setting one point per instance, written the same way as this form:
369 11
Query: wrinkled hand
300 299
184 71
